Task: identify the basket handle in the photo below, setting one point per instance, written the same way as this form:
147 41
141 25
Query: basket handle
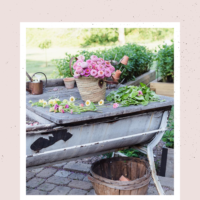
70 64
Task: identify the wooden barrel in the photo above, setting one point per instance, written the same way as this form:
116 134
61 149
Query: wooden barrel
105 176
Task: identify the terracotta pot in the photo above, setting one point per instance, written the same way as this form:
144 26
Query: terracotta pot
69 82
117 74
124 60
122 178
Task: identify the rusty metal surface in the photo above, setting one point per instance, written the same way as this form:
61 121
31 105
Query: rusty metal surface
35 88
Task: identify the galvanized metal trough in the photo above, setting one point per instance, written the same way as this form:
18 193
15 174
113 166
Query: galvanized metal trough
64 136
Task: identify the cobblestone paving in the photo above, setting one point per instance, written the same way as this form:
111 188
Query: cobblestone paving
63 179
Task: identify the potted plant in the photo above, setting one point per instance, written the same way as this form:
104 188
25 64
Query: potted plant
69 82
164 85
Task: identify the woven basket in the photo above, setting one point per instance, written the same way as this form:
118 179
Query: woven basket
89 89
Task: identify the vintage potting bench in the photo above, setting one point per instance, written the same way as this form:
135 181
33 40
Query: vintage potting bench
65 136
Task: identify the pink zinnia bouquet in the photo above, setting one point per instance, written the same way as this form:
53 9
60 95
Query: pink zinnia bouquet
93 67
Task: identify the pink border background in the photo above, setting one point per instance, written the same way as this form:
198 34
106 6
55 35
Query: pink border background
186 12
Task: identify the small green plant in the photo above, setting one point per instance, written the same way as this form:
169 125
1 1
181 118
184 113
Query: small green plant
168 137
108 155
132 152
157 165
45 45
165 62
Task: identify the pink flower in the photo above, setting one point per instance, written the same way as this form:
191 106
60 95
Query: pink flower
107 63
81 105
115 105
81 57
93 72
90 66
140 93
62 111
88 61
84 64
66 106
112 69
100 59
107 72
74 66
100 73
97 76
100 67
56 106
71 111
94 58
87 71
103 62
78 63
83 72
76 75
79 70
99 62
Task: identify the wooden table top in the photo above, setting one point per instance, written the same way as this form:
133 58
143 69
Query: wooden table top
107 111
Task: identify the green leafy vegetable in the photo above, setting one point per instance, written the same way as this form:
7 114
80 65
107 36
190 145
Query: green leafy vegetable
133 95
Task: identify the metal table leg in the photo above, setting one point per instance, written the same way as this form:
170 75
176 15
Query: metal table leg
150 156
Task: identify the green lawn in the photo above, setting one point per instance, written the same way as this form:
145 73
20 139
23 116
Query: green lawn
33 66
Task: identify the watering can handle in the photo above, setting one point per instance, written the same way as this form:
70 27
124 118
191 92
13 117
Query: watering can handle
29 77
70 64
44 75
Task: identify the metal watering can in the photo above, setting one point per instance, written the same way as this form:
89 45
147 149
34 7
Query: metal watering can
35 87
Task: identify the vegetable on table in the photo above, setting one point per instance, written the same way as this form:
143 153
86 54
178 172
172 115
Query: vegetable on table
133 95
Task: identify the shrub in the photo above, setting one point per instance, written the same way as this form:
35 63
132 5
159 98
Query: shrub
101 36
165 62
140 60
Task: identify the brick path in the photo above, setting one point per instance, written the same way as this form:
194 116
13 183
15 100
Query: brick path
71 179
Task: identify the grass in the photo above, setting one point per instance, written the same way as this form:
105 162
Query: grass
33 66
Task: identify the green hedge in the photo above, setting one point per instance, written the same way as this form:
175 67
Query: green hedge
165 61
140 60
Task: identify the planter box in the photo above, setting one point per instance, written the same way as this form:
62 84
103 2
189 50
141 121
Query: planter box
166 89
145 78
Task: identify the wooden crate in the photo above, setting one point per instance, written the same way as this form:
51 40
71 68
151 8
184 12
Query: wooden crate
166 89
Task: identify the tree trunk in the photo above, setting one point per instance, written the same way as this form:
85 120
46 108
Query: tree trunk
46 56
121 37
